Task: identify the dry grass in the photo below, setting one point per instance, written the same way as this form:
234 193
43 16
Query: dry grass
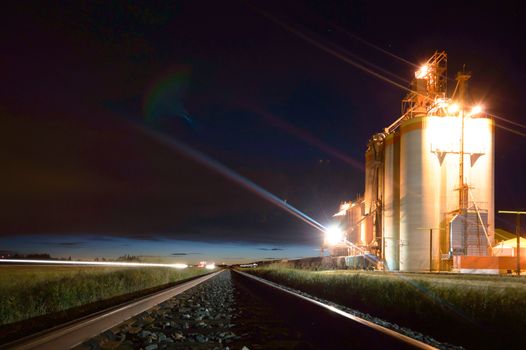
29 291
461 309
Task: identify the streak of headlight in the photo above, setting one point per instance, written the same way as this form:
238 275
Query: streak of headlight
346 59
415 65
509 129
228 173
508 121
311 139
363 60
385 71
93 263
329 50
376 47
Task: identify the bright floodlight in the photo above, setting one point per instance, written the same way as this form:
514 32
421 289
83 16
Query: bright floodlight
453 108
333 235
476 110
211 266
421 73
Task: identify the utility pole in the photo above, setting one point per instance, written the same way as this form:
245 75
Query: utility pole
462 79
462 82
518 233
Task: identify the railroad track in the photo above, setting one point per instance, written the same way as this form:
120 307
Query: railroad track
75 332
338 327
265 315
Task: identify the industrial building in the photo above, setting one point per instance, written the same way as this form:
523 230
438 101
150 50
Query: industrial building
428 202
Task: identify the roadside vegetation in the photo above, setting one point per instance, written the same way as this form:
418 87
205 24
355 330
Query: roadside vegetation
30 291
473 311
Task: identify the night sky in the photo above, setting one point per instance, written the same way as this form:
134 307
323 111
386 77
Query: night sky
85 83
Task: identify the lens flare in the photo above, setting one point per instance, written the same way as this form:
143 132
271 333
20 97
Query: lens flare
228 173
164 99
307 137
453 108
333 235
476 110
422 72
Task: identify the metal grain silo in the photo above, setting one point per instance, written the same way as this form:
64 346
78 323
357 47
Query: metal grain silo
419 210
391 201
471 231
366 230
480 169
429 178
429 189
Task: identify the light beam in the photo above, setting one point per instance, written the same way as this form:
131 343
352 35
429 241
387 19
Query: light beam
230 174
93 263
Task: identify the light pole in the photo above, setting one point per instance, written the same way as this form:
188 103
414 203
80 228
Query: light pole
518 233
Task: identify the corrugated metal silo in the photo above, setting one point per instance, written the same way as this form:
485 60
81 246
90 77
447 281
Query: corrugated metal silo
480 169
391 201
419 178
366 234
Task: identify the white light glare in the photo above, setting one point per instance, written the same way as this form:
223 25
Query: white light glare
422 72
476 110
211 266
333 235
453 108
93 263
345 206
180 266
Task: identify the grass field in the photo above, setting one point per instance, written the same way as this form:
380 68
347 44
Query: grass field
29 291
475 311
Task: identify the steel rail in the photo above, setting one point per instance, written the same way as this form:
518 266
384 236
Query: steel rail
75 332
402 338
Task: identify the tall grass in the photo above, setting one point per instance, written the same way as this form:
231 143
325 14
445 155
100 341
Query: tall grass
27 291
469 310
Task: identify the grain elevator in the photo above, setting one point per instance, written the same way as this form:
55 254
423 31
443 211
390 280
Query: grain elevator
429 180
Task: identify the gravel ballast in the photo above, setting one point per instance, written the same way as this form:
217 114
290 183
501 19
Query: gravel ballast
217 314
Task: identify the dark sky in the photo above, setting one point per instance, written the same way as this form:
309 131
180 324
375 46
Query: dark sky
82 80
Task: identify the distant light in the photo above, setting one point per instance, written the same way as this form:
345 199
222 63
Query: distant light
422 72
249 265
453 108
333 235
180 266
211 266
476 110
